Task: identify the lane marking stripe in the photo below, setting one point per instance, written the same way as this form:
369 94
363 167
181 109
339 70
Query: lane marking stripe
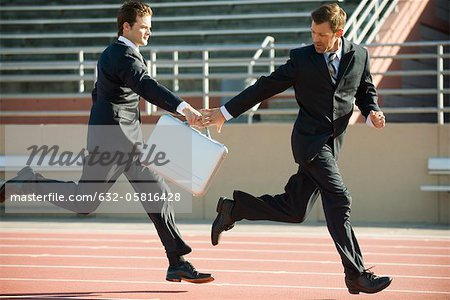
215 259
275 272
147 241
214 284
255 233
234 250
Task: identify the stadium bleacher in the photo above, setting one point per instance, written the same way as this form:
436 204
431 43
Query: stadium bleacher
48 53
175 22
41 44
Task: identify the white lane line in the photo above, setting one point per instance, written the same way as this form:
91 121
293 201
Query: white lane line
225 284
274 272
241 233
144 240
234 250
75 296
46 255
206 241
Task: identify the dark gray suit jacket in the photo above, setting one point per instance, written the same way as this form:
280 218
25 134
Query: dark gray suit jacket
122 79
325 109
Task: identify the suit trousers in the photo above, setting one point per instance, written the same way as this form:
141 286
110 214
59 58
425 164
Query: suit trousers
98 178
320 176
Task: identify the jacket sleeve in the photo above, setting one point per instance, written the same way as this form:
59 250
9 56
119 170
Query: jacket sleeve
265 87
366 95
94 93
133 72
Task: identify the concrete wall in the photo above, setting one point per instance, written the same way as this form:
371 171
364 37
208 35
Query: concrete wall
383 169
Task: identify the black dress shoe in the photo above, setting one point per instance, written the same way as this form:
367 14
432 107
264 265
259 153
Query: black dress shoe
223 221
367 283
15 184
187 272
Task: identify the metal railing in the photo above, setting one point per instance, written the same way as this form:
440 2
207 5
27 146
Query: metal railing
208 61
269 42
366 20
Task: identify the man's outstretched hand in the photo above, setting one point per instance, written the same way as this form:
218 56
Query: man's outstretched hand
193 117
377 118
212 117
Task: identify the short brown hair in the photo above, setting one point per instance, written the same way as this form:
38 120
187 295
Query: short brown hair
129 11
331 13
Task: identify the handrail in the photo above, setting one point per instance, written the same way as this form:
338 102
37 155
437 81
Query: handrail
366 16
187 76
393 6
187 48
440 83
268 41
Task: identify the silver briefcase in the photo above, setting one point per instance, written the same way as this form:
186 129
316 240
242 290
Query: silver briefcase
183 155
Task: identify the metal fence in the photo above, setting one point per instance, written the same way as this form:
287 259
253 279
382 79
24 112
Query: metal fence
215 63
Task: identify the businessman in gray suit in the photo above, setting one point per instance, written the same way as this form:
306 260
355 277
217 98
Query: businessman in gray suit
327 77
114 128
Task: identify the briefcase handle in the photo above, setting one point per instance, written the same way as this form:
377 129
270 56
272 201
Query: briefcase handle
207 133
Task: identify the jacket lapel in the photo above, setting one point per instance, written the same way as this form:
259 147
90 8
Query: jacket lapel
319 61
138 54
347 58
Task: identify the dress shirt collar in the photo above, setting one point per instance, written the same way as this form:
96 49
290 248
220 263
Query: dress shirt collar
338 51
128 43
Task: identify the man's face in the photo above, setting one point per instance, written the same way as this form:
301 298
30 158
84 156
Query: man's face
140 32
323 38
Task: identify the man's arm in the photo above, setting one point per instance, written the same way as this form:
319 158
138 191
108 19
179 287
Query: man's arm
94 93
265 87
367 98
134 73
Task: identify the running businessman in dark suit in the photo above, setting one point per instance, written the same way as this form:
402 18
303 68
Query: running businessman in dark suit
327 77
114 128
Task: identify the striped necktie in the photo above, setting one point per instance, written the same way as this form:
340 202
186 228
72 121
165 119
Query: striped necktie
332 67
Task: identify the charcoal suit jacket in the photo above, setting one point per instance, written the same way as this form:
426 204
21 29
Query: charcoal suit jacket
325 108
122 79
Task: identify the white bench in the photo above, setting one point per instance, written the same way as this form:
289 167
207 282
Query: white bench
438 166
15 163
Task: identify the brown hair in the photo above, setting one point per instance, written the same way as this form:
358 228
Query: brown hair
129 11
331 13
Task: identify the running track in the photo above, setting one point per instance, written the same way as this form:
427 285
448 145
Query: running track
98 260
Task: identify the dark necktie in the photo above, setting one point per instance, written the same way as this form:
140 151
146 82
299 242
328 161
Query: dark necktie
332 67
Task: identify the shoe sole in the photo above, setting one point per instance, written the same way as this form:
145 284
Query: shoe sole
355 292
218 209
3 193
219 204
196 281
25 171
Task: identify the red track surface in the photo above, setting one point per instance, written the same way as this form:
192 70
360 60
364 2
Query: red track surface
57 262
